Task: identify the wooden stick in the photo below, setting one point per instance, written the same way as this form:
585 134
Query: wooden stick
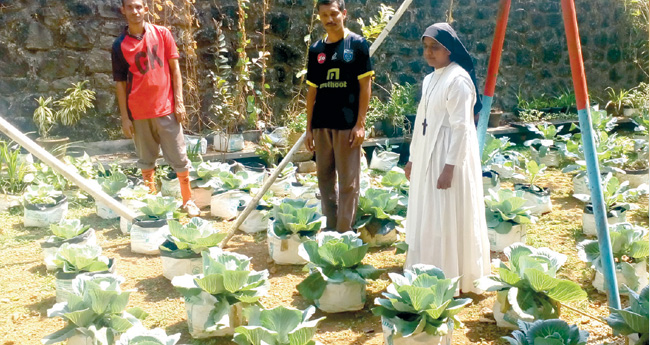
583 313
389 26
51 161
253 203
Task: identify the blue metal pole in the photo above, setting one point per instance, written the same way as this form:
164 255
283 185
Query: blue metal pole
483 119
589 146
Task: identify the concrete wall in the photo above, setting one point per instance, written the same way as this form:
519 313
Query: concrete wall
45 45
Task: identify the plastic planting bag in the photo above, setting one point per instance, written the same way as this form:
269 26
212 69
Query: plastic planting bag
170 187
148 235
340 297
228 142
225 205
105 212
200 312
391 337
40 215
383 160
257 221
202 197
279 136
192 141
177 265
50 246
63 281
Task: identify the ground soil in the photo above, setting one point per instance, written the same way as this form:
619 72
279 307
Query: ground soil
27 290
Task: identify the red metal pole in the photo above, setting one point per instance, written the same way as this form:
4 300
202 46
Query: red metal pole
575 54
497 48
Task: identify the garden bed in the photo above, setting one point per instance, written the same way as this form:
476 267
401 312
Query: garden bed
23 306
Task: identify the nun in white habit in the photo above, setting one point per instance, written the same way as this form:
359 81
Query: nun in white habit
445 222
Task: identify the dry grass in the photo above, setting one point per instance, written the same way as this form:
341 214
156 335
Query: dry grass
27 290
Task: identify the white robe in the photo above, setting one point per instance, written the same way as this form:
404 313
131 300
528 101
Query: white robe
447 228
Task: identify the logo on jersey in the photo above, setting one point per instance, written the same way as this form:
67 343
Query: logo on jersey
321 58
348 55
334 56
333 76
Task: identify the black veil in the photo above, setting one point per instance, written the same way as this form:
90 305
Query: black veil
445 34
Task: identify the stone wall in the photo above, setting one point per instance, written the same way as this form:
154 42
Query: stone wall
45 45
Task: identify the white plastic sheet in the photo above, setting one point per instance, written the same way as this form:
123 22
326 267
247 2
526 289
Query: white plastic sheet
384 160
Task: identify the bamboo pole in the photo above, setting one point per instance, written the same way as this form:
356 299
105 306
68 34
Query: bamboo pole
51 161
382 36
253 203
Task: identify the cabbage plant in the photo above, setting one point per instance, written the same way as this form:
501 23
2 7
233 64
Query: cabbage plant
278 326
334 258
142 336
113 183
205 174
67 229
77 258
616 193
554 331
292 216
421 300
195 236
230 181
498 156
96 309
629 246
139 192
42 194
378 211
505 209
528 286
550 138
160 207
225 281
632 320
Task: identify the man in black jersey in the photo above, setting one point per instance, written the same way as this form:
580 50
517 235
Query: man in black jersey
338 74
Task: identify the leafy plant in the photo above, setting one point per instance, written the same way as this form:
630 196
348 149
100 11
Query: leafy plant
618 100
41 194
141 336
298 124
505 209
160 208
68 228
554 331
293 216
335 258
226 280
77 258
549 138
280 326
83 165
196 236
377 24
14 175
230 181
206 174
629 246
71 107
96 309
378 210
268 152
534 171
633 319
113 183
421 300
46 175
498 156
616 193
139 192
527 288
396 181
401 103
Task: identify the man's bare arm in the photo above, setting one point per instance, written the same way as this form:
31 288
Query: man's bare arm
177 86
127 124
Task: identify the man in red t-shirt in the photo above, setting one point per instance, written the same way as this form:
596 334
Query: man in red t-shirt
150 96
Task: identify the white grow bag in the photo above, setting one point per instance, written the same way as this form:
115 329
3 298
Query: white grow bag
198 314
378 240
538 202
641 273
342 297
202 197
281 187
391 337
44 215
552 159
50 246
499 316
63 281
132 204
589 221
491 181
192 141
105 212
224 205
257 221
284 251
384 160
580 185
170 187
228 142
148 235
80 339
634 177
175 264
498 242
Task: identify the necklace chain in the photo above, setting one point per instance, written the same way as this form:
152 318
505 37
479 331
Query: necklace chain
430 91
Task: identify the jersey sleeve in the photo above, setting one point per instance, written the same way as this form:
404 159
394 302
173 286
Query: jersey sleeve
312 68
171 51
364 65
120 66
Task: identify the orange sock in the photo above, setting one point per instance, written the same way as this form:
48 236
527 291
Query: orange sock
186 190
147 176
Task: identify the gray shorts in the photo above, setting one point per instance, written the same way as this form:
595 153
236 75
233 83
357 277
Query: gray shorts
160 132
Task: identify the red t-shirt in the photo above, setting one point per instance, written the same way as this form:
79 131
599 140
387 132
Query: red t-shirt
143 64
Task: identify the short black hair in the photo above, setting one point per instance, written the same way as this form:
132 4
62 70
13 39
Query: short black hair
341 3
